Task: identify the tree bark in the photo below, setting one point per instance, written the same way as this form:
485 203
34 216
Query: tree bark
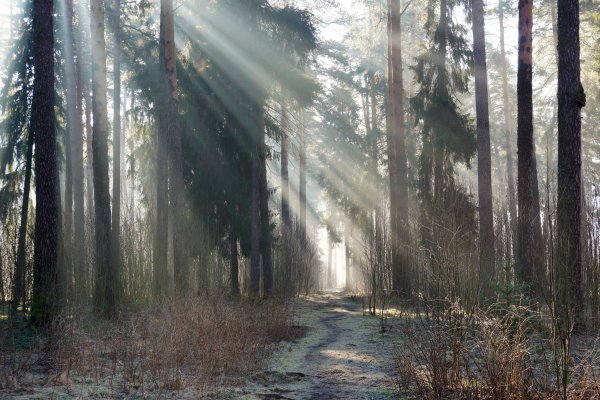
234 265
510 174
89 162
89 167
302 172
170 116
77 171
116 170
285 185
19 276
73 131
571 98
255 223
161 236
44 305
265 218
529 252
484 161
398 164
106 274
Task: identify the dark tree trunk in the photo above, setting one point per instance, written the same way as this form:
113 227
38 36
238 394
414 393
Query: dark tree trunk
265 220
347 237
19 276
302 172
86 283
285 185
484 161
160 274
510 174
116 170
255 223
77 171
170 114
106 274
529 251
44 305
89 167
398 164
66 259
85 68
571 98
374 127
234 265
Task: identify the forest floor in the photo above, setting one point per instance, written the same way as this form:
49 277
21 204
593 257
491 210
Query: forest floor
343 356
336 352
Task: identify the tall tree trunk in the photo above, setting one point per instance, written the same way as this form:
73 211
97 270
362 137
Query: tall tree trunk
89 184
106 274
66 260
302 172
72 132
19 276
398 164
484 160
44 305
116 170
255 221
170 114
86 75
265 218
329 260
77 170
366 108
347 237
234 264
374 128
510 174
571 98
285 185
89 167
161 235
529 252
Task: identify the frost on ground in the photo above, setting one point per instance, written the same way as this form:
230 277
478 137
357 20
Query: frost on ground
343 356
329 351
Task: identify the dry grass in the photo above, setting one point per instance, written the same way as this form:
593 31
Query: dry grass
192 345
484 356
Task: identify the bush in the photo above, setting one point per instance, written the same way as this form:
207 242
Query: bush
486 355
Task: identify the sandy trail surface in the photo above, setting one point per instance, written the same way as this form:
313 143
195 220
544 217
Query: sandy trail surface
343 356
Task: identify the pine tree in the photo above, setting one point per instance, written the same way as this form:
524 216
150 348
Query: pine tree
529 231
571 98
398 166
484 160
116 139
106 274
44 306
447 134
169 116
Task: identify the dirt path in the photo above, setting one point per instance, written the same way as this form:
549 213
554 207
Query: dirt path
343 356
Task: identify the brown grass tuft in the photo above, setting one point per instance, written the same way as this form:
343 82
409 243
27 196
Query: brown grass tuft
193 345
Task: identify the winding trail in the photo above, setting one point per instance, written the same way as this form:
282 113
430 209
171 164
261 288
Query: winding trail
343 356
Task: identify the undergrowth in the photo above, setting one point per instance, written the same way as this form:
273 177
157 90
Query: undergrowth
494 354
175 345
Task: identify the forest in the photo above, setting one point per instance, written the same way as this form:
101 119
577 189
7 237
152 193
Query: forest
300 199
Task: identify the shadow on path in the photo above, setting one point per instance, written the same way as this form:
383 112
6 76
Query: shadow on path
343 356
